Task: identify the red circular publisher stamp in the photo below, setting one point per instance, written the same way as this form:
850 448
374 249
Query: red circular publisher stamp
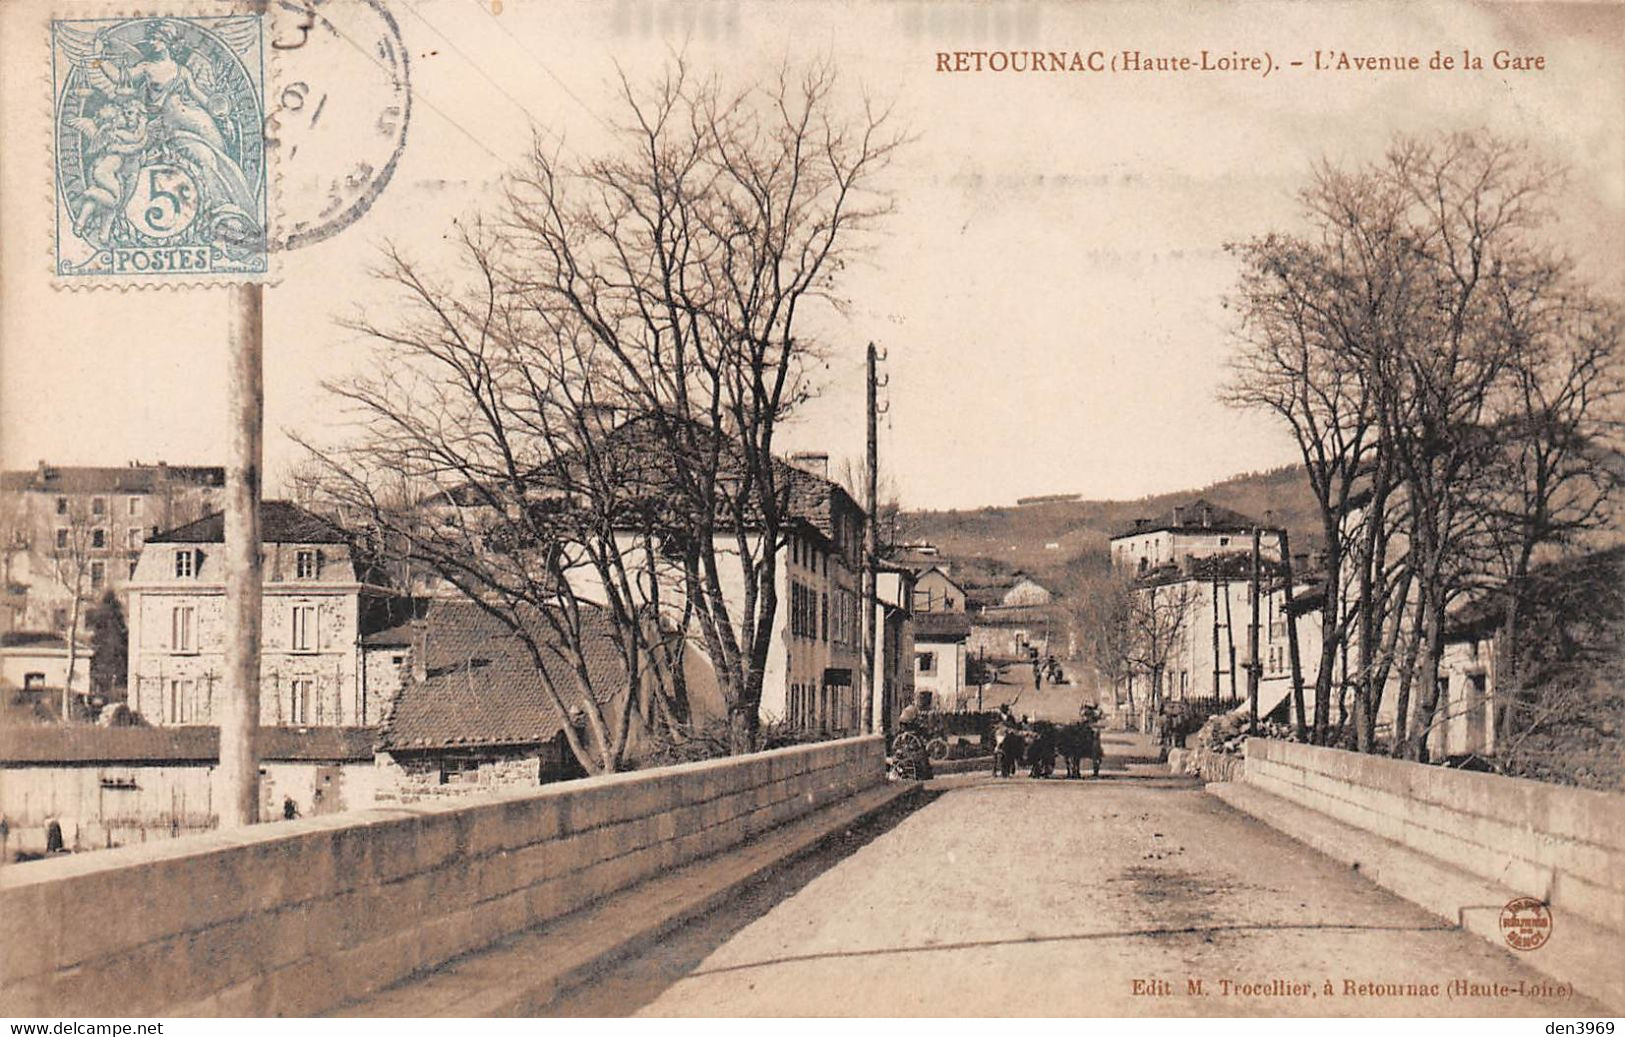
1526 923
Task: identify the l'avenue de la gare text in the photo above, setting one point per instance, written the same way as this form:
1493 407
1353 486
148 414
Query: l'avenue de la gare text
1232 61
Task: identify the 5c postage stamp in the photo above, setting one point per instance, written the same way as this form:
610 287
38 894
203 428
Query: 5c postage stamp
159 149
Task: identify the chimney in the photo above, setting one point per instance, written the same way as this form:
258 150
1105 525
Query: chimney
420 650
1179 515
814 461
1207 516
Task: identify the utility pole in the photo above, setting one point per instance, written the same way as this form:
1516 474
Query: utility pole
874 719
1299 721
240 718
1254 666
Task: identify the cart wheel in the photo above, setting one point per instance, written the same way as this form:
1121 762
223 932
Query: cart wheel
937 748
904 768
907 744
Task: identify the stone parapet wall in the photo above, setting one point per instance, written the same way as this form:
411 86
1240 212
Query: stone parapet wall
298 917
1563 845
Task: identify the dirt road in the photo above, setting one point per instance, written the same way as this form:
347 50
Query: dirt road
1135 894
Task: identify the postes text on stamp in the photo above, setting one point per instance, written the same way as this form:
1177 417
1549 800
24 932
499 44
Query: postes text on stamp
159 149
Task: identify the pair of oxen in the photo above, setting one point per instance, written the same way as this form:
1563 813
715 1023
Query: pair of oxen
1036 746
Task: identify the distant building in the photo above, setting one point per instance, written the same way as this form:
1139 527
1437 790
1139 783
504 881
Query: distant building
38 660
54 519
1195 530
1027 591
936 591
320 599
939 660
894 675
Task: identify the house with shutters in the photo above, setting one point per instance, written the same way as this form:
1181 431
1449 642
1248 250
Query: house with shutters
321 598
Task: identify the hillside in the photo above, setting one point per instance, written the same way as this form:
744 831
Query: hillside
989 542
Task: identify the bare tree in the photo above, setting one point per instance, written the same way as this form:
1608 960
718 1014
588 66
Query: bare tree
686 263
592 400
1561 461
1446 379
77 539
1131 629
1318 314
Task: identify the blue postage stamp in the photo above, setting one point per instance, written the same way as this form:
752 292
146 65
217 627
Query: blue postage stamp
159 149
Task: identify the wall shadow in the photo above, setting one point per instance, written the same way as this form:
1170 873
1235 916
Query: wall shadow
624 987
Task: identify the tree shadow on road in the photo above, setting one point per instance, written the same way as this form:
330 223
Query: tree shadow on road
623 988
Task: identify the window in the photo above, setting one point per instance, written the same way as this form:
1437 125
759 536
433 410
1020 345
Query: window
98 538
926 662
98 506
299 690
33 680
823 614
304 565
185 564
133 507
132 538
59 619
180 704
183 629
62 505
62 539
304 628
98 575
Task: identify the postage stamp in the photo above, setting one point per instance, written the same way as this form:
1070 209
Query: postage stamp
159 149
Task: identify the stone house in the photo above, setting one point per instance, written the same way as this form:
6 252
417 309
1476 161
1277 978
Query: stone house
321 596
810 669
101 516
472 712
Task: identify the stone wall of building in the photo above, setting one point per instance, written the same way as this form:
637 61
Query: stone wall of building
415 777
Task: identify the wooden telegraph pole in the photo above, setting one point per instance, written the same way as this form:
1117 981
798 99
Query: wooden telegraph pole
239 783
873 711
1299 721
1254 665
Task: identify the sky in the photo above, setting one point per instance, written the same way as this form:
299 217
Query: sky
1048 293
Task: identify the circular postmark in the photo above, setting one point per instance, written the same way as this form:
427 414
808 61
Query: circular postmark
1526 924
337 115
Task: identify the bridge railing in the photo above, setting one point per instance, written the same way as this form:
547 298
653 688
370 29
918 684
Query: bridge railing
298 917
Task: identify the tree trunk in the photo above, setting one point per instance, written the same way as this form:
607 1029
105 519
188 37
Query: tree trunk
742 729
73 656
1428 702
1407 676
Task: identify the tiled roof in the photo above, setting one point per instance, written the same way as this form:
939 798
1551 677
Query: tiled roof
85 744
281 522
108 479
638 447
482 687
1198 515
941 626
32 639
